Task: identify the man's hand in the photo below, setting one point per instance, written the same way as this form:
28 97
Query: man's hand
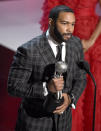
56 84
63 107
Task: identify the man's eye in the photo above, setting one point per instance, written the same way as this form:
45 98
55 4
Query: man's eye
64 23
73 24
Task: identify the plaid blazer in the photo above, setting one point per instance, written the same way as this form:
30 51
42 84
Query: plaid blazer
26 77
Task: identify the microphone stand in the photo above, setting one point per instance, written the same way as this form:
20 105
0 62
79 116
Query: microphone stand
94 108
84 65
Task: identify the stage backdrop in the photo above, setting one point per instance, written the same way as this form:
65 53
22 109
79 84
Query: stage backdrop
19 22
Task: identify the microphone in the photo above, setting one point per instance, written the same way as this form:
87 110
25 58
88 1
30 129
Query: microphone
85 66
60 68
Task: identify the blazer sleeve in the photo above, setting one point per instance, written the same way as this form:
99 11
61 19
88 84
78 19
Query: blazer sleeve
79 75
20 73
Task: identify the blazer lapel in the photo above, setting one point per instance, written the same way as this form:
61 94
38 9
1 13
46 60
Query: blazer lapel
46 50
68 58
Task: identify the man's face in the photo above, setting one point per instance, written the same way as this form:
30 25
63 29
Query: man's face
64 26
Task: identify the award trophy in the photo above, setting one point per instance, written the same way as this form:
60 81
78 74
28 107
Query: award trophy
54 100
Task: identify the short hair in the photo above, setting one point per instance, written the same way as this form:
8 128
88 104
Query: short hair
57 9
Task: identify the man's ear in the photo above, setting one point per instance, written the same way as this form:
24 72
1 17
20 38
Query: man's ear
51 22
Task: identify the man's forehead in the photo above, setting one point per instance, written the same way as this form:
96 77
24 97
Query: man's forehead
66 16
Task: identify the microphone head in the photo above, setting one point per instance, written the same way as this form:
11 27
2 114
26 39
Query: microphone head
60 67
84 65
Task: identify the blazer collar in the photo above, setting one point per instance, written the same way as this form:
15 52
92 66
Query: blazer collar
46 50
69 54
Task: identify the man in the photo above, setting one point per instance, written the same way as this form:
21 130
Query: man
29 79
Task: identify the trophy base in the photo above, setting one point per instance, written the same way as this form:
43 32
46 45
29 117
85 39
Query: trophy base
51 103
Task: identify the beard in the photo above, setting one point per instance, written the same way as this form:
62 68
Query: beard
60 36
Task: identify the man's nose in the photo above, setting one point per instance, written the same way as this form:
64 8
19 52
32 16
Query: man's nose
69 28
